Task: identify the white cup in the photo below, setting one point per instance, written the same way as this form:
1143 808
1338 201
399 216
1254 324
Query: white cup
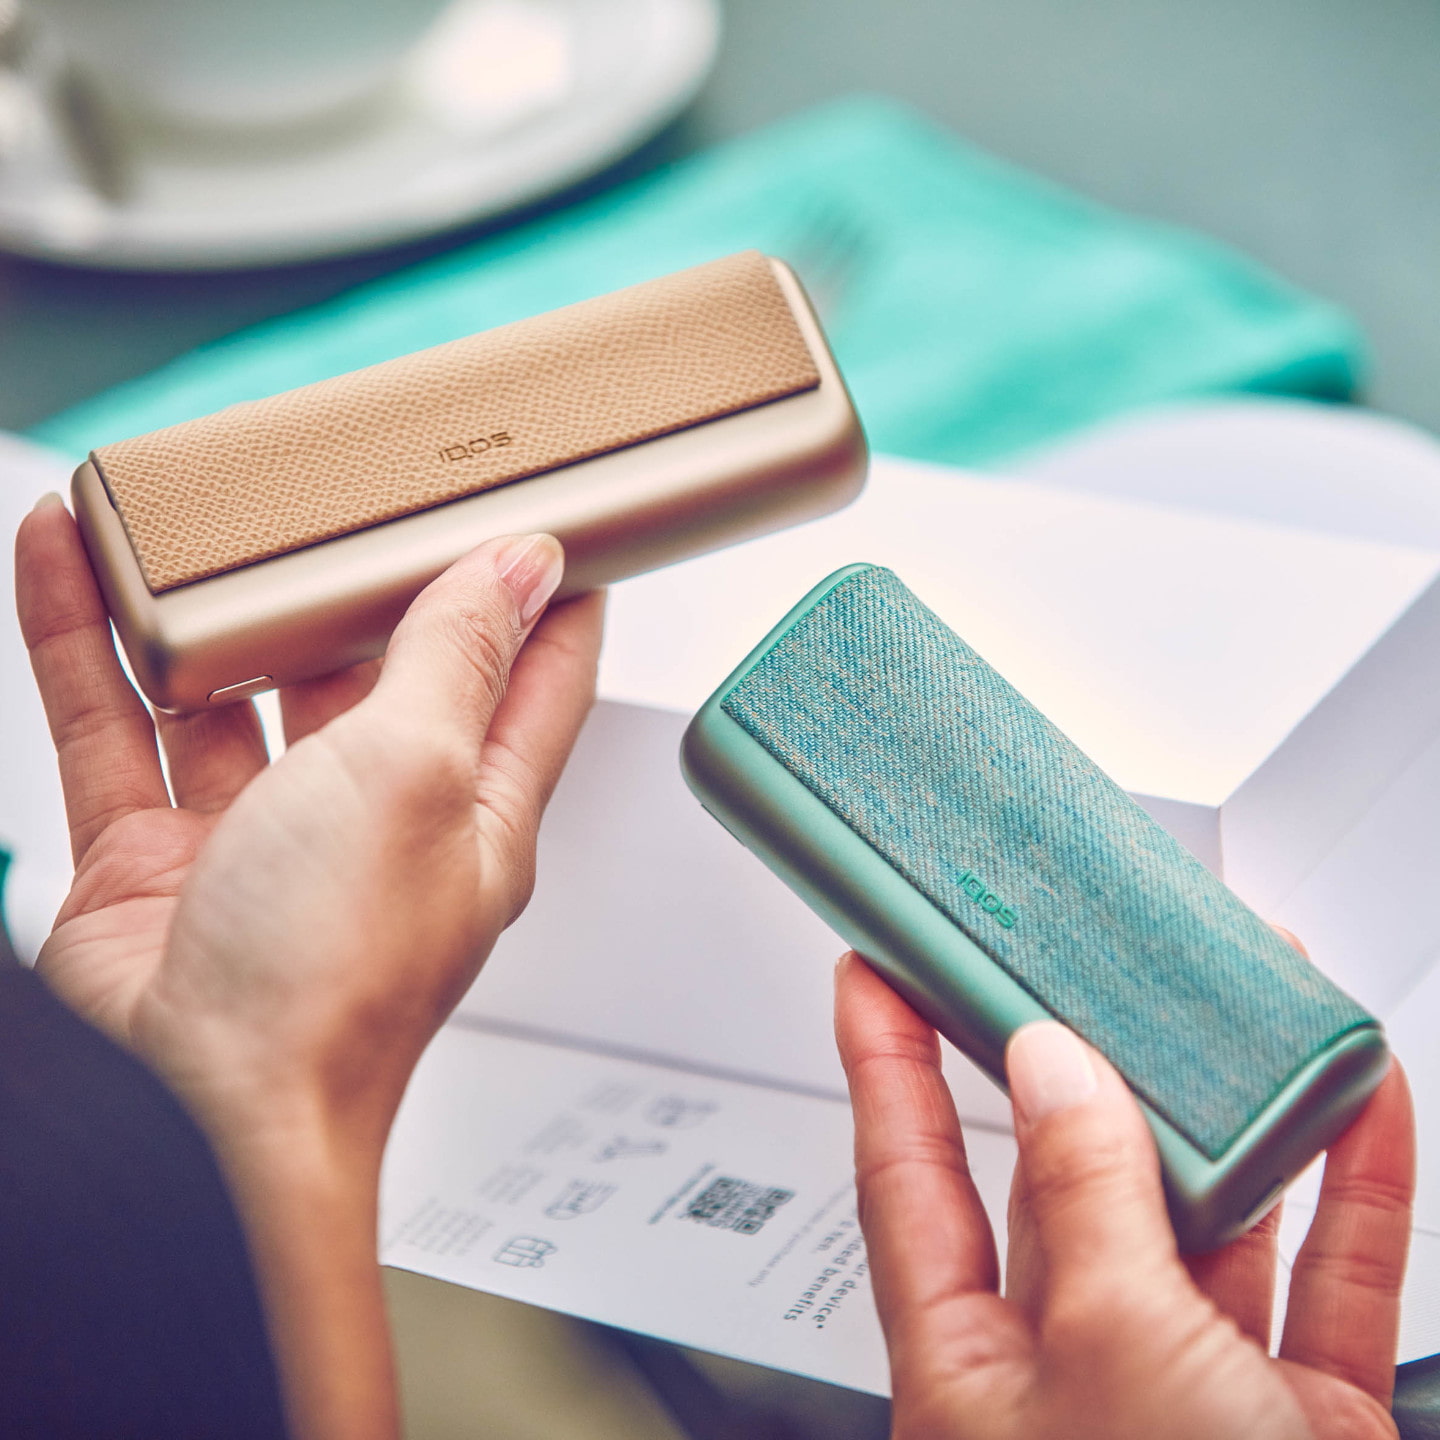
234 64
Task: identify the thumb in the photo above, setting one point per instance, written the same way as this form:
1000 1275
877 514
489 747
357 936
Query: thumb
449 660
1090 1171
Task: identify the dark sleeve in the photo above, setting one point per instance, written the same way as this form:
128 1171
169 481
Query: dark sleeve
1417 1399
128 1307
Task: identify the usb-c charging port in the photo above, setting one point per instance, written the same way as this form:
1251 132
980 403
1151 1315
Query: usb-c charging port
227 694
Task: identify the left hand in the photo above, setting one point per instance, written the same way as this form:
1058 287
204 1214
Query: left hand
281 940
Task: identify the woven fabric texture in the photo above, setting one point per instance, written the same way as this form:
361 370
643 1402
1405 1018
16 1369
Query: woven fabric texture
269 476
1002 823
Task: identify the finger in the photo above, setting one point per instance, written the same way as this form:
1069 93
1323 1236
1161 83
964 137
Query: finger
212 754
1239 1278
1291 939
1024 1265
1344 1310
552 687
926 1232
103 733
448 662
1091 1174
305 707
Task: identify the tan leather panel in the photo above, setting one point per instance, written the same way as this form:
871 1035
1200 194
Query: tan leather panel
270 476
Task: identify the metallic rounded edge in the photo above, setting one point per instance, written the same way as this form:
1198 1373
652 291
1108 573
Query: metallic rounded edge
1217 1201
136 614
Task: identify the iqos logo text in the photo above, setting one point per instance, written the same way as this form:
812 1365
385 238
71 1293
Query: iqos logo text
986 898
467 448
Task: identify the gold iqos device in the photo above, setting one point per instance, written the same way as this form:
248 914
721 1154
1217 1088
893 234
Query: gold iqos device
282 539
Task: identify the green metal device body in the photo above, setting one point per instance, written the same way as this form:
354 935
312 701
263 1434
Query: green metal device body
957 985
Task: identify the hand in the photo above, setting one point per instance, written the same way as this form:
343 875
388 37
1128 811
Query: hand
281 942
1104 1330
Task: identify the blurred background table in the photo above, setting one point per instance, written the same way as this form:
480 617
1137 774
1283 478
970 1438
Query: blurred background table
1303 131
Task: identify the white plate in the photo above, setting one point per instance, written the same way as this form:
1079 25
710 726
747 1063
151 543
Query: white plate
503 102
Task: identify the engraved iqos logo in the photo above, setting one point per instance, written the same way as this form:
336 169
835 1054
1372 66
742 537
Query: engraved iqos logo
986 898
465 449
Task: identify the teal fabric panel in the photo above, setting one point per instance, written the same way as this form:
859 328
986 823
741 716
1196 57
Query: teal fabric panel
979 801
975 310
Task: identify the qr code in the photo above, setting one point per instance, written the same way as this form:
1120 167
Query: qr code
730 1204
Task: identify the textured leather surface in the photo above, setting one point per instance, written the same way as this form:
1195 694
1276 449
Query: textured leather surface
270 476
881 710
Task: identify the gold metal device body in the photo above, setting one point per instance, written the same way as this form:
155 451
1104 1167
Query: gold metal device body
334 603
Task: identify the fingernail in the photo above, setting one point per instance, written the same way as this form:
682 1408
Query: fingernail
531 565
46 501
1049 1070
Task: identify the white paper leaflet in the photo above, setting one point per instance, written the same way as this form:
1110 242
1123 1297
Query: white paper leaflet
710 1212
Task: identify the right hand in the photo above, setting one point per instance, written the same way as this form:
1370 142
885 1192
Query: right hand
1104 1332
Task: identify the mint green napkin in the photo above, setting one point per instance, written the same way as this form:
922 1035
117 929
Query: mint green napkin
4 869
975 310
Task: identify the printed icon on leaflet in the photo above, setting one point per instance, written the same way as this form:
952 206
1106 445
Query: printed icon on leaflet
675 1112
623 1148
524 1252
579 1197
